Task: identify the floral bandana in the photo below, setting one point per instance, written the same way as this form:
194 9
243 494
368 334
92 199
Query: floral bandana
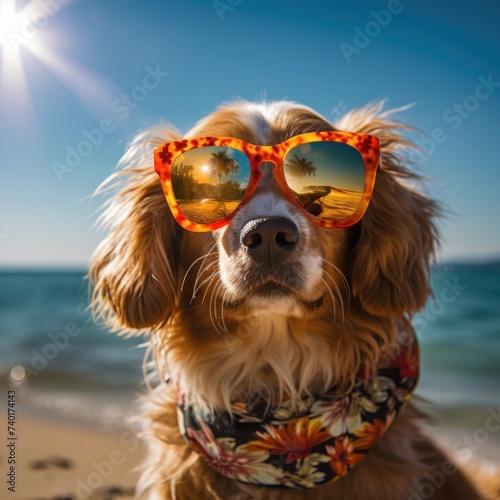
318 444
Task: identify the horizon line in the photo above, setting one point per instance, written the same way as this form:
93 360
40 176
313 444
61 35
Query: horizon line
84 268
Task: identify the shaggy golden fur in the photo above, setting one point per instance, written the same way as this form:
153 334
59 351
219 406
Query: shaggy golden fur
151 275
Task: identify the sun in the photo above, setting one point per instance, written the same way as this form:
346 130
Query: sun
30 40
9 24
19 29
14 92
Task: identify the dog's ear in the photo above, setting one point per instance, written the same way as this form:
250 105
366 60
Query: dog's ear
398 233
133 269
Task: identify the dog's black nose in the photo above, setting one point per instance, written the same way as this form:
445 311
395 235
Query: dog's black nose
269 239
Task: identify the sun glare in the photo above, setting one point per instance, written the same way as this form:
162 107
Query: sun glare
20 28
10 24
14 92
30 37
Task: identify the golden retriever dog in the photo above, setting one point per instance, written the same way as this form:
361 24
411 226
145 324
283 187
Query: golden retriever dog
277 288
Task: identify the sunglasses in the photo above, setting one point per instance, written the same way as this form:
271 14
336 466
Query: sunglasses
329 175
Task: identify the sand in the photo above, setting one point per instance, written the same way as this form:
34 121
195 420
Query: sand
58 460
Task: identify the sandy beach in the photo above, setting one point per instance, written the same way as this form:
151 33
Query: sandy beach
58 460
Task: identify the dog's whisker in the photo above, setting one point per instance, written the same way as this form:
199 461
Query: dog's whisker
216 294
340 296
207 279
197 286
201 269
222 312
213 309
337 290
342 275
222 320
344 280
333 299
213 276
189 269
212 314
203 258
211 306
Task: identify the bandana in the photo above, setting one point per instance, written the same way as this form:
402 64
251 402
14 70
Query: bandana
317 444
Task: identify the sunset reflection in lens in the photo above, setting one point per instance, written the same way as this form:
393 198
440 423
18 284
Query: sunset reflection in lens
209 182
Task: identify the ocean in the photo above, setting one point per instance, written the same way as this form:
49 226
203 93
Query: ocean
64 365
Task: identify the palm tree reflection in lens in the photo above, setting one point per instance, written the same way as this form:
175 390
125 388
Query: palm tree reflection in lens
221 163
328 202
200 200
300 167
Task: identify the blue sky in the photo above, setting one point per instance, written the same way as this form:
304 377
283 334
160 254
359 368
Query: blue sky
66 67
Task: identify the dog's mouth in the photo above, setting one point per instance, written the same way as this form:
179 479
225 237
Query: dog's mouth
273 290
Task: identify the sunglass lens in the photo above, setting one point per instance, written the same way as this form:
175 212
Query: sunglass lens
326 178
209 182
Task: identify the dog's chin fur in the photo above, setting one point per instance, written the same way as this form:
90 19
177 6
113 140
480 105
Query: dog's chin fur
224 328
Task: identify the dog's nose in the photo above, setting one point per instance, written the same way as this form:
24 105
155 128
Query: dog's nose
269 239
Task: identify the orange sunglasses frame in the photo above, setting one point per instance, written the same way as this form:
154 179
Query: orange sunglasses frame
367 145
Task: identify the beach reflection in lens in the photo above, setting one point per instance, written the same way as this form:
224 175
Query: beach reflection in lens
209 182
326 178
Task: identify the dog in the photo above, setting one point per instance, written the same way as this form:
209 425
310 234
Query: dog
283 345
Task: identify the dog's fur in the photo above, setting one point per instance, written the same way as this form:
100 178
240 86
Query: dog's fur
215 336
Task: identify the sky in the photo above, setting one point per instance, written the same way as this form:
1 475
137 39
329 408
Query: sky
78 78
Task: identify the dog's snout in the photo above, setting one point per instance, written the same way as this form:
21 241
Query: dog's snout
269 239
